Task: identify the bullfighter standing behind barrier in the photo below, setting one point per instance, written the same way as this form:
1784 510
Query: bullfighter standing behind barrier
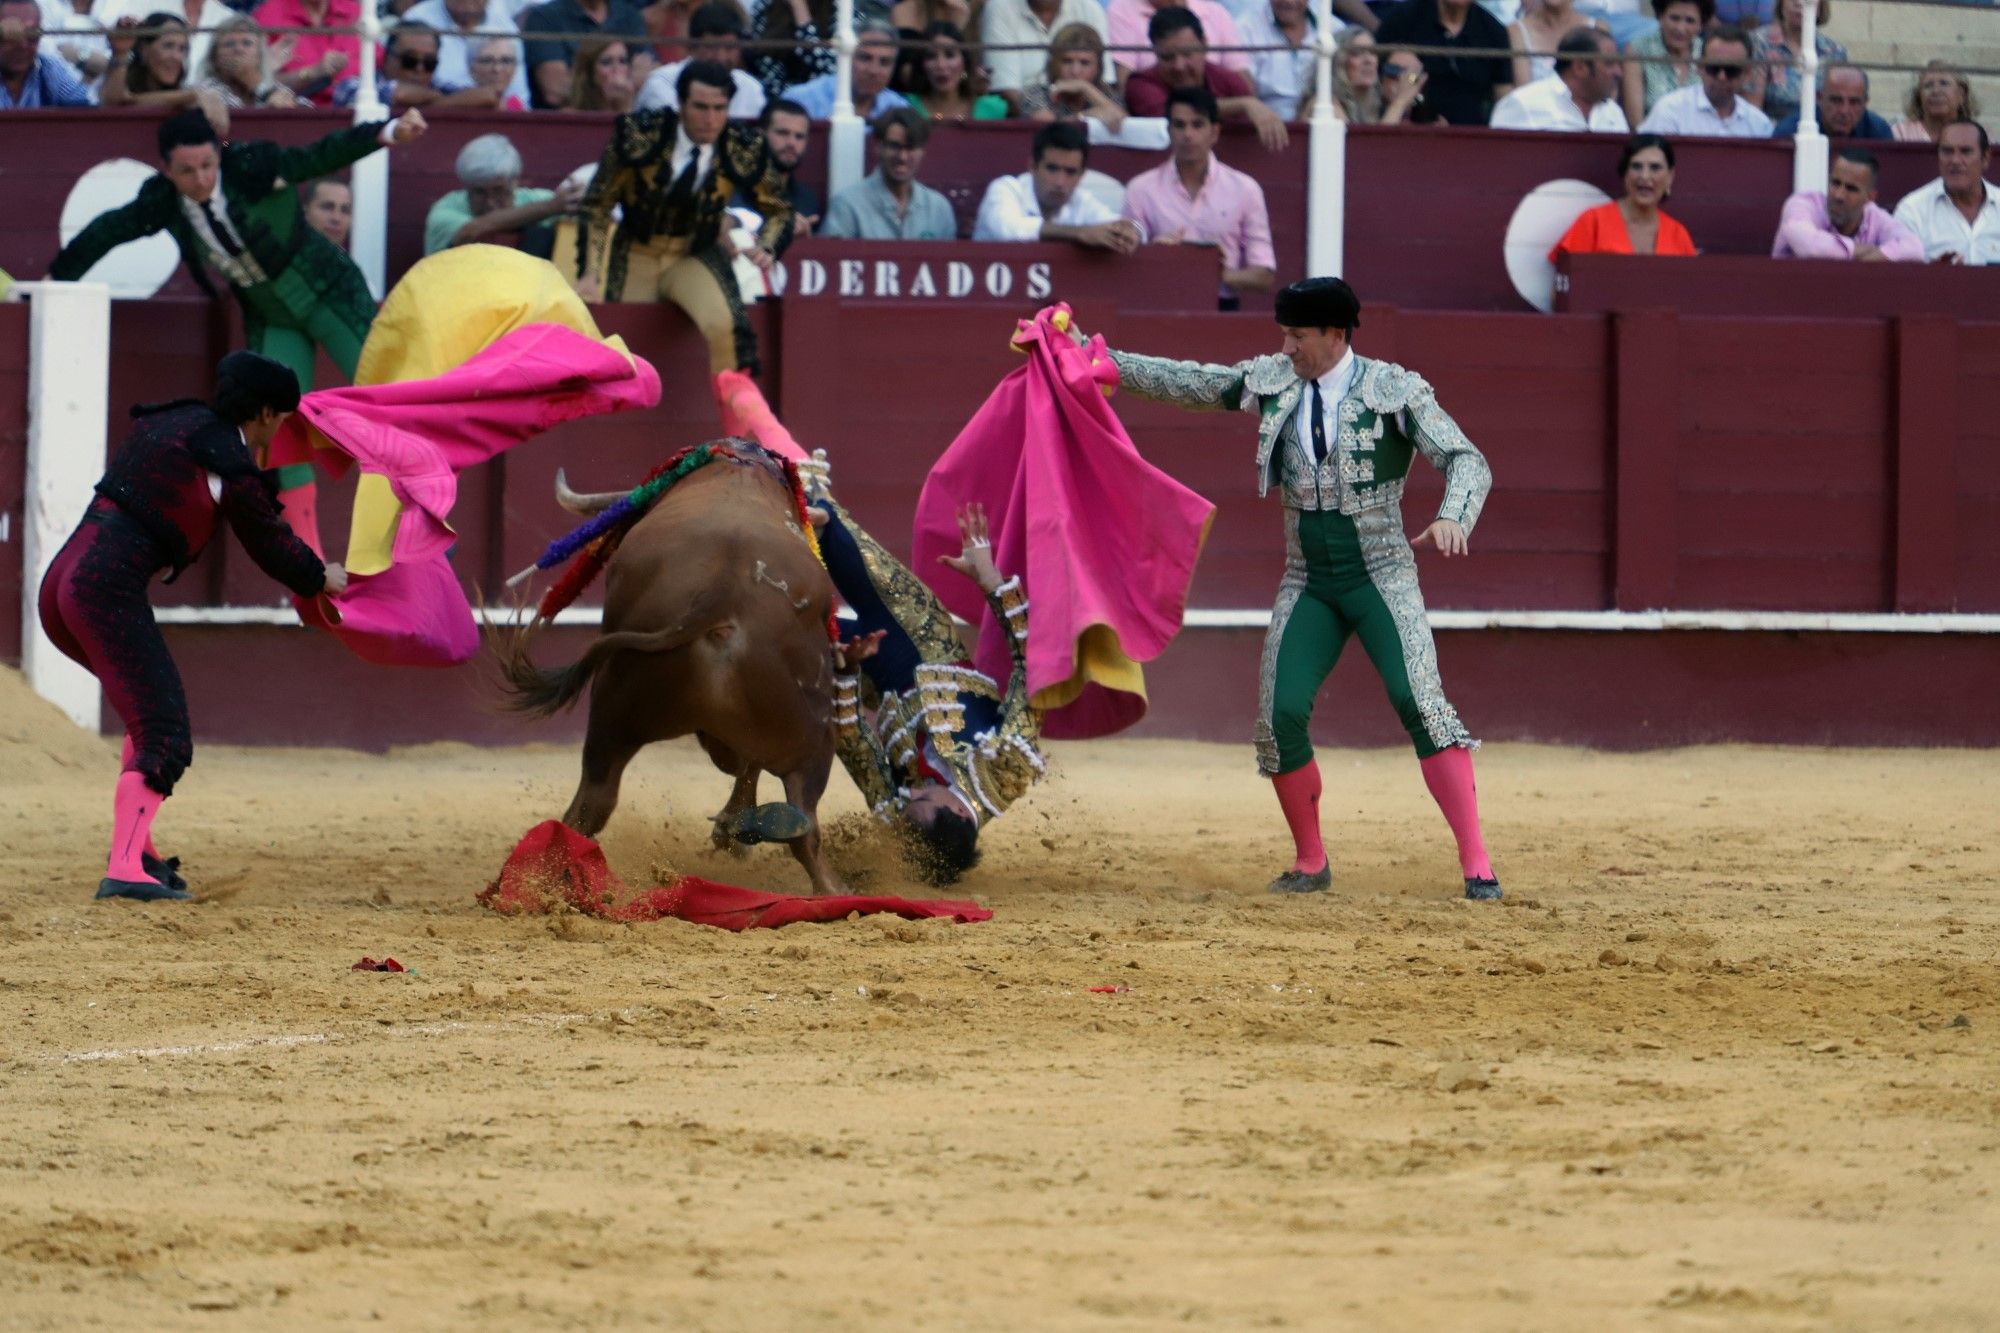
1335 434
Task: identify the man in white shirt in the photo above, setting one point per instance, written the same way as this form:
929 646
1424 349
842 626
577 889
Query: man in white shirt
715 32
1958 214
455 20
1581 95
1712 108
1045 205
1030 23
1281 75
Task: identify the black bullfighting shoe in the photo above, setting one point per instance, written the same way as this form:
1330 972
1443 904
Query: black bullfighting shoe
1300 881
779 821
145 890
168 872
1482 890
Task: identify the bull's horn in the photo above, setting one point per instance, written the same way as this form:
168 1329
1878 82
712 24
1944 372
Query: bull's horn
583 502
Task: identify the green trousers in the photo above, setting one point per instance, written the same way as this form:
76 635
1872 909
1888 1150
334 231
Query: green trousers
286 320
1348 576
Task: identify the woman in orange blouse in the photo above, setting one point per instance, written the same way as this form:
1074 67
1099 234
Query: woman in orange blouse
1635 224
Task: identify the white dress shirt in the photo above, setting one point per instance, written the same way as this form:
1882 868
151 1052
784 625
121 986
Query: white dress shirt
1333 387
661 90
1010 211
242 268
1012 23
1546 104
1279 77
683 147
1687 111
1930 213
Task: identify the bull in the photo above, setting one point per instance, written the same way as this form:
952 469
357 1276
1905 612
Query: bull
715 625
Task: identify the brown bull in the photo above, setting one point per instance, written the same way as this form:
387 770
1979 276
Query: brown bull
715 615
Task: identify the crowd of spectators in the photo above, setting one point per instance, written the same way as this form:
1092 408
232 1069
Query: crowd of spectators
1086 71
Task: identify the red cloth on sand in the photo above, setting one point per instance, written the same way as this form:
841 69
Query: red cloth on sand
556 864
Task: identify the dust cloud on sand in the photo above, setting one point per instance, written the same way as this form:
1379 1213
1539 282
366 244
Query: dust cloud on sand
1726 1057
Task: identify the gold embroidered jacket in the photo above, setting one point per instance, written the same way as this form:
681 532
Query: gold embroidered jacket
991 770
635 174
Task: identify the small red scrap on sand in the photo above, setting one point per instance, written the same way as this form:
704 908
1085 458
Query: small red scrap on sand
1110 990
554 865
370 965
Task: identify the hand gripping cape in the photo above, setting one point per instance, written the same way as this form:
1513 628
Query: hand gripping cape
477 349
1104 542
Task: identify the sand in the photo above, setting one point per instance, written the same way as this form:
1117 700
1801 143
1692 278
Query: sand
1726 1058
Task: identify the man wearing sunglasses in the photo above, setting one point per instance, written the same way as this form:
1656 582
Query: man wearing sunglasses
1712 108
409 75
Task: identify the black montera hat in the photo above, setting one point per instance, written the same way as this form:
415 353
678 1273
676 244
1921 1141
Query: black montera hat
257 380
1319 303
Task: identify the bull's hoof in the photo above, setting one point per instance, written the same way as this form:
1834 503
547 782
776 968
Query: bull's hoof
777 822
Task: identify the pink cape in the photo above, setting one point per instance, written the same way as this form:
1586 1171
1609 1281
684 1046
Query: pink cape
420 434
555 866
1104 542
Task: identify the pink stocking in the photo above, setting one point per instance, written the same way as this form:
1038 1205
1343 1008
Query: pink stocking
1448 774
125 754
1298 796
132 812
745 413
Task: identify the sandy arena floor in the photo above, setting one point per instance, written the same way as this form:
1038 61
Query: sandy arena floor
1728 1057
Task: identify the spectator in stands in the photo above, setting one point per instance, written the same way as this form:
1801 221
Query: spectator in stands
1957 216
1714 109
1130 23
198 17
1845 222
805 23
1941 96
601 78
492 207
715 32
1193 199
459 49
313 60
1281 76
1045 205
550 60
1667 58
238 68
496 65
1775 81
787 129
1025 23
1581 95
667 24
1180 48
940 86
1071 85
1634 223
30 78
874 63
151 70
889 203
1360 73
1537 35
1843 108
78 36
1459 89
408 76
1747 14
329 208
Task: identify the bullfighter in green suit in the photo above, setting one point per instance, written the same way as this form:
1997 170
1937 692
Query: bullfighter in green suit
234 208
1336 433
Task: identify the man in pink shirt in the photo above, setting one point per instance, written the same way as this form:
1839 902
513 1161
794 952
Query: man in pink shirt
1192 199
1845 222
321 58
1126 20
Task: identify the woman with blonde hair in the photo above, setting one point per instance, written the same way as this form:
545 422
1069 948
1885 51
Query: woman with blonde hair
601 77
1357 82
1941 96
1072 85
1774 78
238 67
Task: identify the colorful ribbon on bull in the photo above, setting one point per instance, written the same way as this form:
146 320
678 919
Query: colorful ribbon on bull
593 543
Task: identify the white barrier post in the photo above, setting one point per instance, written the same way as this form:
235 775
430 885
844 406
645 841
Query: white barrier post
1809 147
69 380
368 241
845 141
1326 162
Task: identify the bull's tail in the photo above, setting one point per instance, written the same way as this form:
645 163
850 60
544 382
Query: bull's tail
545 691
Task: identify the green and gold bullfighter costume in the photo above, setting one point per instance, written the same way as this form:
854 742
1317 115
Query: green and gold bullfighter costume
297 289
1338 446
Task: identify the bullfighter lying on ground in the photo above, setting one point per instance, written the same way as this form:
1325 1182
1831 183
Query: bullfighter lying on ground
185 464
1335 434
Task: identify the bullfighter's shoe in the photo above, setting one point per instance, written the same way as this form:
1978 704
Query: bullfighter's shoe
167 871
1300 881
1482 890
779 821
145 890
